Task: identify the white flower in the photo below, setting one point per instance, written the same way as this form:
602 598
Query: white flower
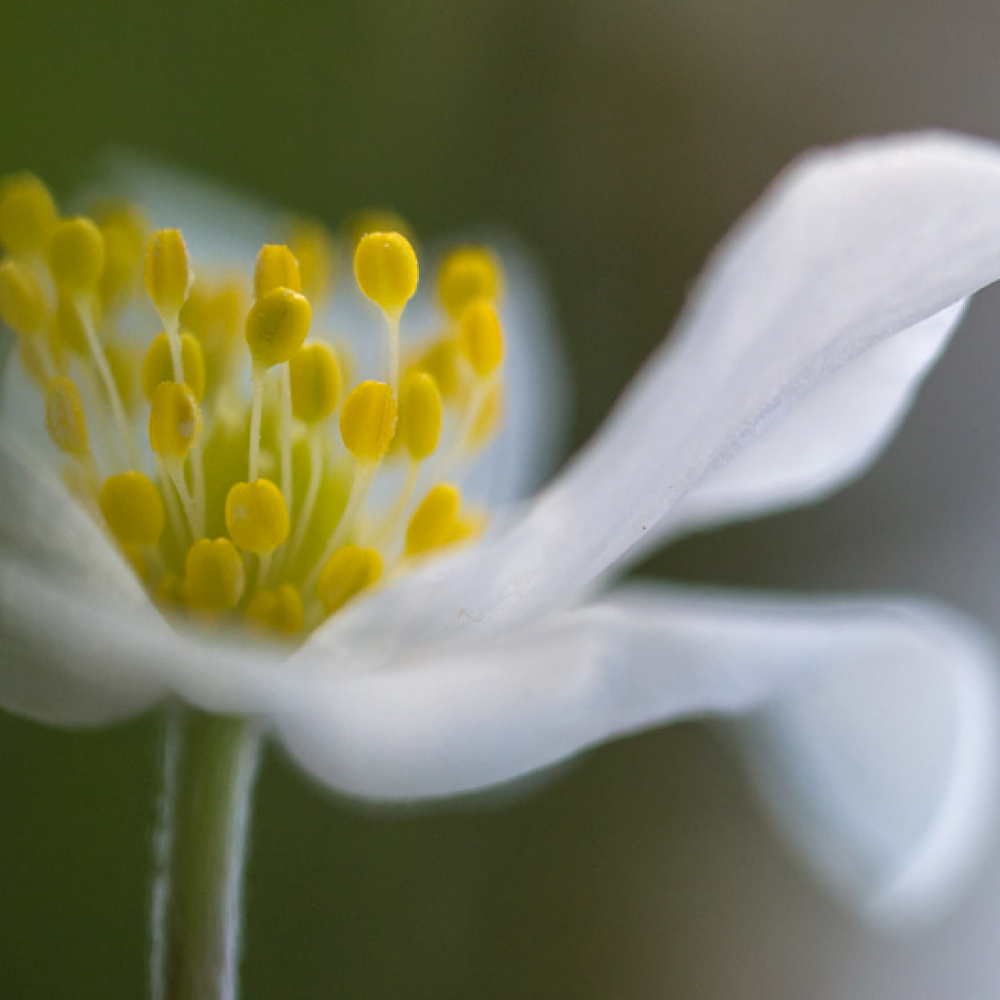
869 724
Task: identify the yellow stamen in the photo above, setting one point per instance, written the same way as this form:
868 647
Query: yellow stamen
480 338
277 326
347 572
64 417
174 420
315 381
132 508
420 415
434 520
22 304
386 270
368 420
168 273
76 255
441 362
213 575
467 275
256 516
27 214
276 268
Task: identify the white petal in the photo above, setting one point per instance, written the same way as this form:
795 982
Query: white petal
883 773
833 436
464 720
850 247
72 657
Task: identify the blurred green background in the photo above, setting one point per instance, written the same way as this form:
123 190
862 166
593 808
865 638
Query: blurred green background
620 140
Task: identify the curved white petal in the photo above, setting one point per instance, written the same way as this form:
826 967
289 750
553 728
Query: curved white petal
849 248
883 773
463 720
833 436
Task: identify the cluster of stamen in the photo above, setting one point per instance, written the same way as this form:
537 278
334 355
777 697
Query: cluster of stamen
243 493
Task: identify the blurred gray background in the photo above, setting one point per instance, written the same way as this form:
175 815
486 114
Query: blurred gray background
621 140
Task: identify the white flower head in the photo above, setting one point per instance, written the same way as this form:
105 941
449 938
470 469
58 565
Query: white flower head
300 505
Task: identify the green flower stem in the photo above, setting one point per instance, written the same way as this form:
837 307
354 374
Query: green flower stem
210 767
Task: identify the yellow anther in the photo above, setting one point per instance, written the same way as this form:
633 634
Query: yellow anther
348 571
68 324
276 326
158 365
467 274
76 255
314 250
256 516
124 229
420 414
480 337
368 420
386 269
64 416
170 591
276 268
433 522
441 362
27 214
132 508
487 417
22 304
174 420
315 375
168 272
213 575
277 611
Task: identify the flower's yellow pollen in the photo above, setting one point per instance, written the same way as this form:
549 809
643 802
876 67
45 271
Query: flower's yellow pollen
277 326
375 220
168 272
132 508
467 275
386 270
257 516
480 337
245 511
368 420
441 361
158 367
64 416
420 414
27 214
22 304
279 611
76 255
314 250
213 575
348 571
315 374
433 522
174 420
276 268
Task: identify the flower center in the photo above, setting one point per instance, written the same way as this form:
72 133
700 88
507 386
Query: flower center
211 422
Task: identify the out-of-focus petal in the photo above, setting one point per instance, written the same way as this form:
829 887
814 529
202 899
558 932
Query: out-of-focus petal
466 719
850 247
883 773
